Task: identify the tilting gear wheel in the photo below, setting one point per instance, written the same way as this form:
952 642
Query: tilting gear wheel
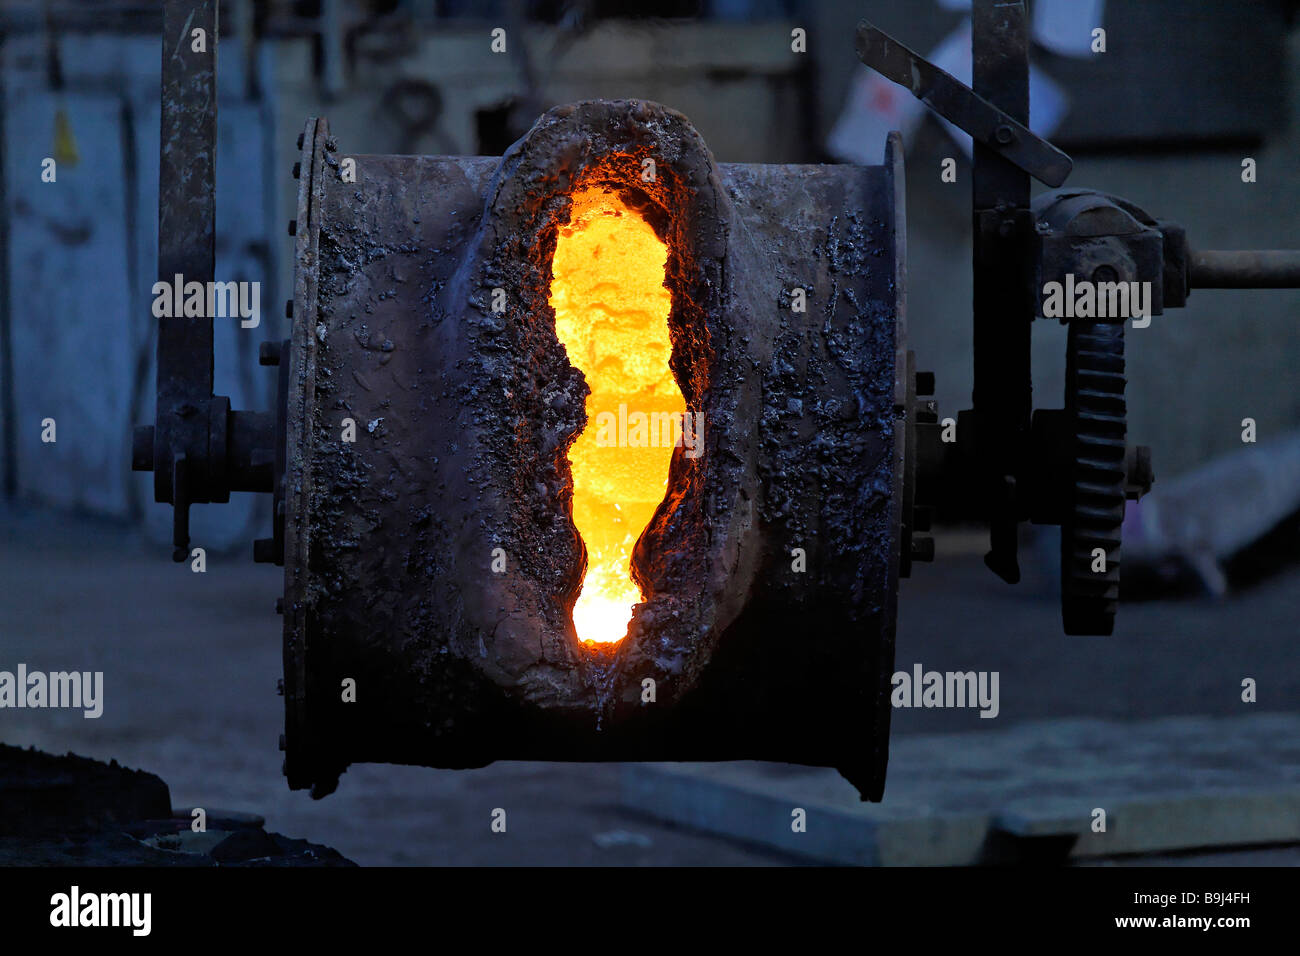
1096 426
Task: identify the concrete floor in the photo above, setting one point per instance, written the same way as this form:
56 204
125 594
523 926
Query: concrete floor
191 663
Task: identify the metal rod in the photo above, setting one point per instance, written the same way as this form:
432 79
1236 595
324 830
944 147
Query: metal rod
1003 276
1245 269
186 249
961 106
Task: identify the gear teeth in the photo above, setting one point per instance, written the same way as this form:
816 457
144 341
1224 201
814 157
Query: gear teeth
1098 417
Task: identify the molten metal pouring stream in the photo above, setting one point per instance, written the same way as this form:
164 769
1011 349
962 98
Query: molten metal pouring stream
611 314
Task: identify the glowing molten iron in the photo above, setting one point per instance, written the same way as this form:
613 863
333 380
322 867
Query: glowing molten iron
611 314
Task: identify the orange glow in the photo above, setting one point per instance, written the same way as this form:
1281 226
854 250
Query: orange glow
611 314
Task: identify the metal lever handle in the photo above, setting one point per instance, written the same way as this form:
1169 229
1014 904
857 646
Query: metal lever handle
963 107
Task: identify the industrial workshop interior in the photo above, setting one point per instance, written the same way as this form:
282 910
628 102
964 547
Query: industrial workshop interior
785 434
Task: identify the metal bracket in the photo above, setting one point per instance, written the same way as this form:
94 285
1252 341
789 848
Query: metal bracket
963 107
198 449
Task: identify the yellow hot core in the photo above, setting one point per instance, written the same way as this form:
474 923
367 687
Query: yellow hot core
611 314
